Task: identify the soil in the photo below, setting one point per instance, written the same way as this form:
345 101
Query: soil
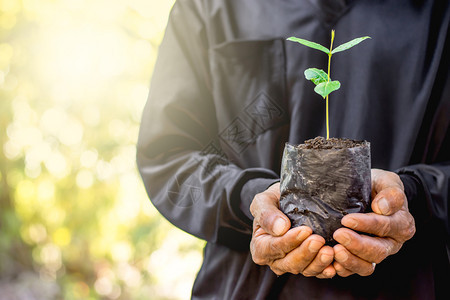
321 143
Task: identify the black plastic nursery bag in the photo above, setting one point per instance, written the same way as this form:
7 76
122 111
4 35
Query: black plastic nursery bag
320 186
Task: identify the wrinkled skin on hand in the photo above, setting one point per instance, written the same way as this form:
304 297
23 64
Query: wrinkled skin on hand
298 251
286 250
390 223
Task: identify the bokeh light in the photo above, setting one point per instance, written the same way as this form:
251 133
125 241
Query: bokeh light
75 221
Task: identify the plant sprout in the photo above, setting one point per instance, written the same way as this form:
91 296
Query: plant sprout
322 80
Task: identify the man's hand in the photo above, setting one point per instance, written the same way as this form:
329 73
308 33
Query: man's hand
286 250
391 223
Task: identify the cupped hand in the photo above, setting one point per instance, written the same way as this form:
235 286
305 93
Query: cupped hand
285 250
390 223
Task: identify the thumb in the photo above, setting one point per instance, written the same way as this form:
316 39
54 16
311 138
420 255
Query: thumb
277 226
265 209
388 201
387 192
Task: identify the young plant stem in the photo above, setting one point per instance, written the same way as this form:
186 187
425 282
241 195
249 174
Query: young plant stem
328 125
329 67
322 80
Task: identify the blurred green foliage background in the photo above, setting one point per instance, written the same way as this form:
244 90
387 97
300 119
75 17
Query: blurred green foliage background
75 221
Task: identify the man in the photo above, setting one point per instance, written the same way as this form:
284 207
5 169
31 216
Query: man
228 92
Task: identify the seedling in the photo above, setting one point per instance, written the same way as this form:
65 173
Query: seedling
322 80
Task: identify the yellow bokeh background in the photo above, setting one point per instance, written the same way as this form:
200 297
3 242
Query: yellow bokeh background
75 221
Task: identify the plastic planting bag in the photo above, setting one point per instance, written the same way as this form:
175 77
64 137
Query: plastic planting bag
322 181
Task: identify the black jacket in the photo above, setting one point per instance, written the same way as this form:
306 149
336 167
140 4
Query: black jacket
228 91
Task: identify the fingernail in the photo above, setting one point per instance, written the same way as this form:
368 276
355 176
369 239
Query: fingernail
342 256
383 206
344 239
352 223
325 258
278 226
314 246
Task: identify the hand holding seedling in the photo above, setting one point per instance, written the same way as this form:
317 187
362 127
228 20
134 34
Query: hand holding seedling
298 251
322 80
390 223
285 250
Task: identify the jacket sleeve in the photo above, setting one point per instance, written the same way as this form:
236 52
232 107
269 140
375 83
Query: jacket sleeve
187 177
427 187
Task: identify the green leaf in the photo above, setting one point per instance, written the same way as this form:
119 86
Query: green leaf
350 44
325 88
316 75
309 44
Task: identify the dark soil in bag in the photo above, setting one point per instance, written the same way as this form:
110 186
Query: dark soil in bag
323 180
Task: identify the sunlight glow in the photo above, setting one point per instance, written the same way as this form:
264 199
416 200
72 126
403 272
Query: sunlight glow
74 78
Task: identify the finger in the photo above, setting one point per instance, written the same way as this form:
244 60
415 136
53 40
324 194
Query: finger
299 258
265 209
383 179
278 247
400 226
323 259
275 189
388 201
341 271
328 272
351 262
269 217
387 192
370 249
271 196
266 248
